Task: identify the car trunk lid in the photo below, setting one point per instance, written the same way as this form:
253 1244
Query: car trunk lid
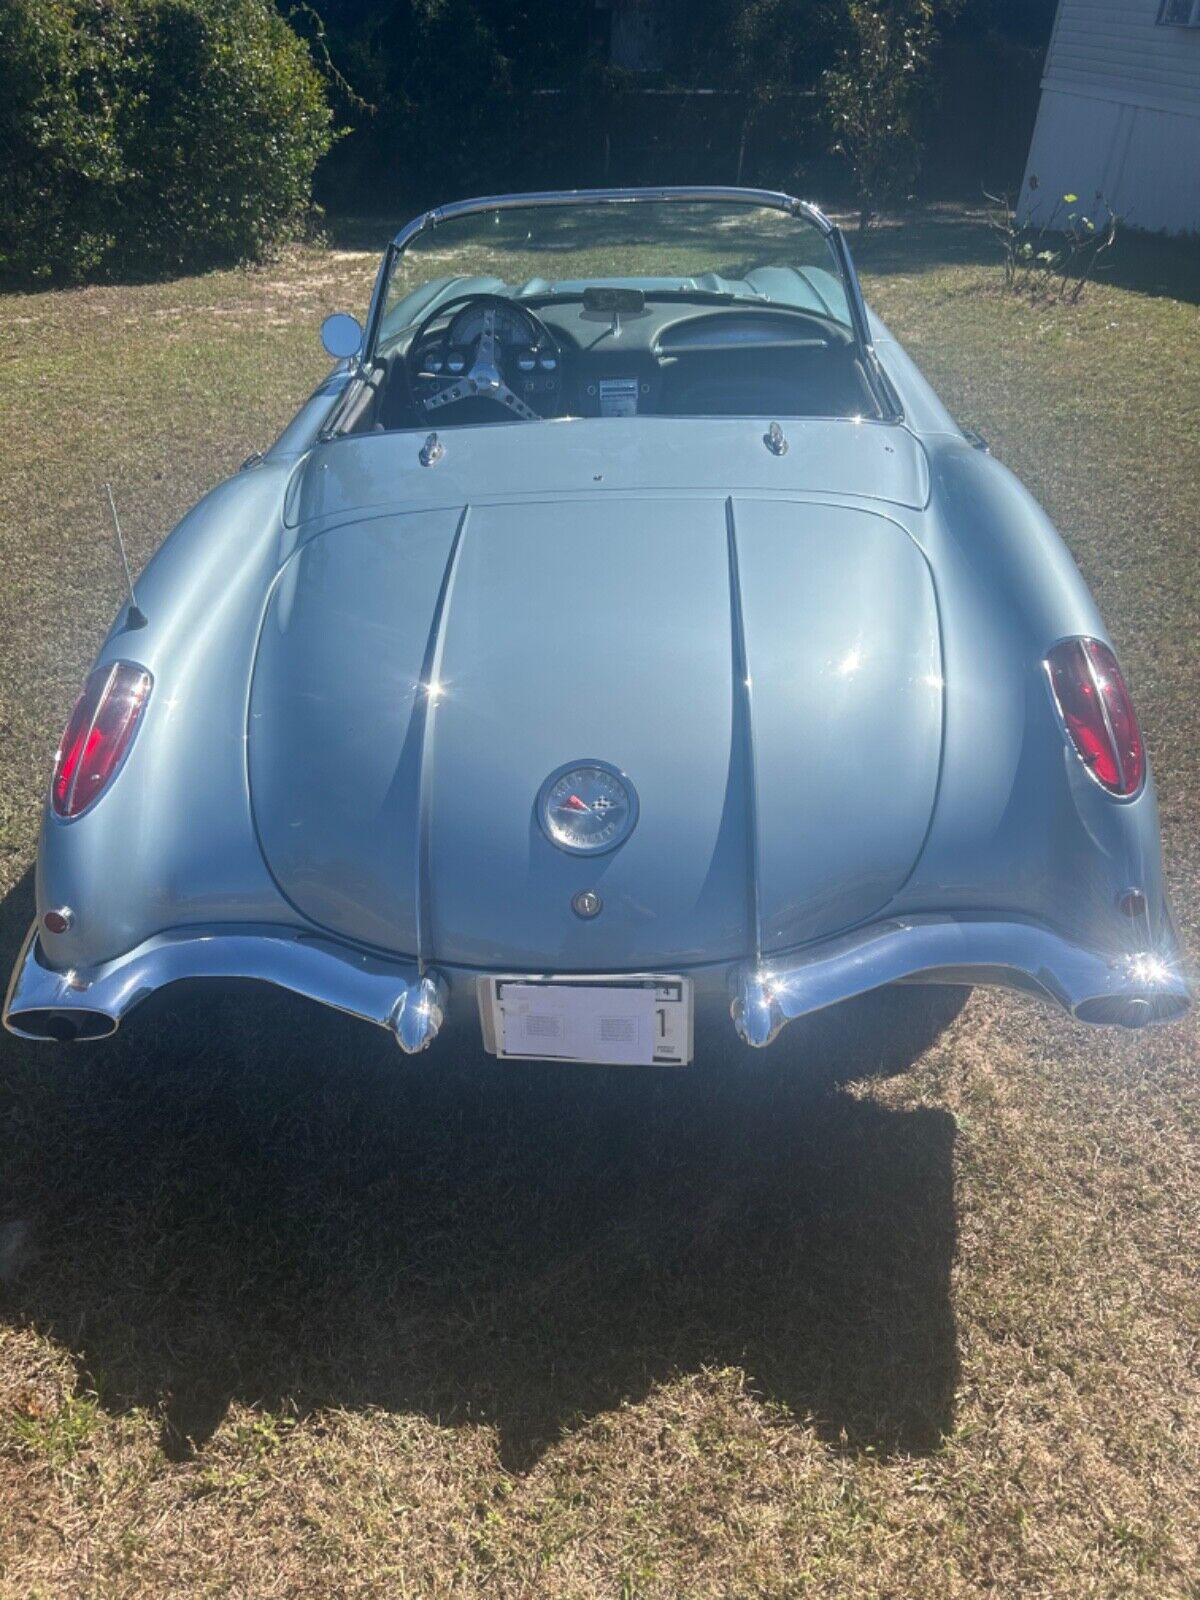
765 672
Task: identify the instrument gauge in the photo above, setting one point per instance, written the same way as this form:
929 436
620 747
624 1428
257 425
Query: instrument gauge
510 326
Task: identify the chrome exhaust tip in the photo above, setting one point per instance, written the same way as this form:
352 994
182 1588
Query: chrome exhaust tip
1133 1010
76 1026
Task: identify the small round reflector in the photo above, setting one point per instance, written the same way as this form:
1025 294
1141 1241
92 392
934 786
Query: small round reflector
58 921
98 735
1098 714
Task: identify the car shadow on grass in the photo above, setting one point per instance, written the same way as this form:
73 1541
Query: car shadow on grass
242 1196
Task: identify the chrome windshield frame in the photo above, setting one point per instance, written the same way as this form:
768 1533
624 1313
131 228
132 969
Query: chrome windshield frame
889 405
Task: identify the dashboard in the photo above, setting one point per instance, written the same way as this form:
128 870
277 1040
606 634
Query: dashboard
564 358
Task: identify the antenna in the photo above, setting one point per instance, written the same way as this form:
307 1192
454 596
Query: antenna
136 617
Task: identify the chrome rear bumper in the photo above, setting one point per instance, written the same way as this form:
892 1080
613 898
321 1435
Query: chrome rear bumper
89 1003
1127 990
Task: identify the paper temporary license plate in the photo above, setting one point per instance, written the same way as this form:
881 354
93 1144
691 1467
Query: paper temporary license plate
612 1021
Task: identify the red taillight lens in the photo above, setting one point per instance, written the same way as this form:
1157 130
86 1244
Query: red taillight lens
1098 714
100 731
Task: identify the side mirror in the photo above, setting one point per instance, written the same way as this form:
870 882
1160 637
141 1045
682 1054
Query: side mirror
342 336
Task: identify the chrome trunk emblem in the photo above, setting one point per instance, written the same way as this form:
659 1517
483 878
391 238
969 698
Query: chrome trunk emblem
587 807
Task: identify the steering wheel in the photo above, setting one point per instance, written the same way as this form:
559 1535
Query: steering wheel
485 380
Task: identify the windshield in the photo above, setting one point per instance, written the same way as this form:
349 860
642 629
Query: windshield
616 304
694 249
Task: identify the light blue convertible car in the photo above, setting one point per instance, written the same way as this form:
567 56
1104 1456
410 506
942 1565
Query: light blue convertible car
623 642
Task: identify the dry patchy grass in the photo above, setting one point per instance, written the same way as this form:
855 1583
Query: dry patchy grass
908 1306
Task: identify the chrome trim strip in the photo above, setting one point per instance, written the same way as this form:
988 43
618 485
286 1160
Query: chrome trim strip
430 689
743 701
773 199
378 290
889 405
1126 989
378 297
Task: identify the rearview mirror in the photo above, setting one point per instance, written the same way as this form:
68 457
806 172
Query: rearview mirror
342 335
603 298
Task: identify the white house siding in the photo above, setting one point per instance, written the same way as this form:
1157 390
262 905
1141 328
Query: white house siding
1119 116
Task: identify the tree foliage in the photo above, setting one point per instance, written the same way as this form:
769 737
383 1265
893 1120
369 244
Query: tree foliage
455 86
140 136
443 86
873 93
766 51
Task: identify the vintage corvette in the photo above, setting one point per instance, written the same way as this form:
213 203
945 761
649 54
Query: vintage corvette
623 641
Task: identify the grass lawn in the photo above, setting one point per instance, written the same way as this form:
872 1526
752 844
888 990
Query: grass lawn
907 1306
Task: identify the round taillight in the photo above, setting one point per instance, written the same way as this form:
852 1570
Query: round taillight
1098 714
98 735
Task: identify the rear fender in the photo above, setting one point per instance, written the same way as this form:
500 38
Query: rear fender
1019 827
171 841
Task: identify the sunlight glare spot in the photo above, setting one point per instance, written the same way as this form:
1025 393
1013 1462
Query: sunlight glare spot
1149 969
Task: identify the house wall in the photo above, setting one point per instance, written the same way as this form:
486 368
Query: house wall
1119 116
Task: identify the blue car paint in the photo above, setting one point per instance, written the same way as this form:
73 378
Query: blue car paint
590 588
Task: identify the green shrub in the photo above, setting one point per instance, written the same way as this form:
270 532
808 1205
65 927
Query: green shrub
143 136
873 95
